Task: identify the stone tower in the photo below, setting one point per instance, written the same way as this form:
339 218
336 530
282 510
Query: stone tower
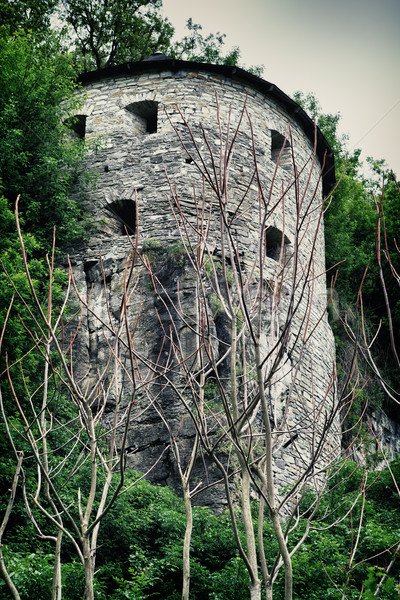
138 112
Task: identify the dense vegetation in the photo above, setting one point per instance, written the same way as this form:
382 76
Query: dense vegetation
351 256
141 551
140 555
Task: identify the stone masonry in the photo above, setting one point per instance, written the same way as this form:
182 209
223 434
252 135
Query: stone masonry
128 111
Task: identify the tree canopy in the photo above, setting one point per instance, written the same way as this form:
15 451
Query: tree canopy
30 15
37 161
117 31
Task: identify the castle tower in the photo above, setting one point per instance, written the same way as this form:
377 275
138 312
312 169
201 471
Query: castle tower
139 113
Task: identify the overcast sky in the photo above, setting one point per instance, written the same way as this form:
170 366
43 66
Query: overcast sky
347 52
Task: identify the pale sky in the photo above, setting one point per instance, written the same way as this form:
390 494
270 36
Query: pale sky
346 52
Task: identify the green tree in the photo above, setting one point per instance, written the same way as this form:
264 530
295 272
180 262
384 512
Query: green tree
30 15
350 220
195 47
350 233
117 31
37 161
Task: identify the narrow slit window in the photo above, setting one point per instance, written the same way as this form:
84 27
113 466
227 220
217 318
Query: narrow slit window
273 243
77 126
280 144
124 212
145 115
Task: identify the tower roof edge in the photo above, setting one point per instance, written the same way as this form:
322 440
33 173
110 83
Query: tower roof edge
159 62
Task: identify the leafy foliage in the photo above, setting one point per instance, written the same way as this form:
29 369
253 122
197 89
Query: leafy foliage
37 161
41 164
29 15
114 32
141 551
195 47
106 34
350 235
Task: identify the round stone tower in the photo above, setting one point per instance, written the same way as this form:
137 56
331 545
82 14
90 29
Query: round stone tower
152 121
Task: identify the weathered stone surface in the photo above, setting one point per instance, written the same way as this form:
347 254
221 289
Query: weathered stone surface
133 166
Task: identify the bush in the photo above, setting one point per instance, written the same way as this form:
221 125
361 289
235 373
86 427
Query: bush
31 574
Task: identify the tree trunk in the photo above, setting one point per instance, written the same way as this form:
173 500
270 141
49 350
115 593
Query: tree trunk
285 555
89 569
255 590
3 569
268 592
186 544
56 593
255 584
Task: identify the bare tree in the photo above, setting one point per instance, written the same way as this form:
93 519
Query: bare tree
249 335
236 354
74 422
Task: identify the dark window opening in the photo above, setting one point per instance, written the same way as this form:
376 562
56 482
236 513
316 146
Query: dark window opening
146 113
151 123
91 267
274 241
77 125
125 213
278 144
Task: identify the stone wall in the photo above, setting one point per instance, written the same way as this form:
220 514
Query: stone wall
133 117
